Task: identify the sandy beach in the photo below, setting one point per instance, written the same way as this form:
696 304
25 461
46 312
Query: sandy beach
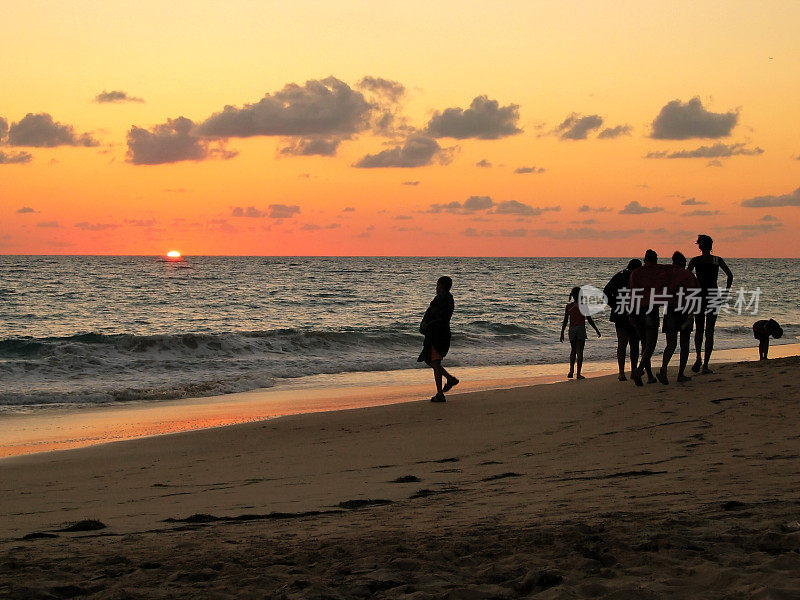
588 489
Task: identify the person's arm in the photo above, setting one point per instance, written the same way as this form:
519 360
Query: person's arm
564 324
692 264
591 322
723 265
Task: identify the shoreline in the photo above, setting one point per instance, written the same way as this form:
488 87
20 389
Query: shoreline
58 429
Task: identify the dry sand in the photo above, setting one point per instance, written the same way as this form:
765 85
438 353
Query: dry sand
591 489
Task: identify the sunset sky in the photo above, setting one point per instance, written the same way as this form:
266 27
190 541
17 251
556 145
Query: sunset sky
508 128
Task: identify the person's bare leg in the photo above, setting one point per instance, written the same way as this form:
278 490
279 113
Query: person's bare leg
634 343
572 355
452 380
699 333
685 349
711 322
669 350
650 337
437 377
579 352
763 348
622 346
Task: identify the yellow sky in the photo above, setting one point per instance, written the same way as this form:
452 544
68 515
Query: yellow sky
622 61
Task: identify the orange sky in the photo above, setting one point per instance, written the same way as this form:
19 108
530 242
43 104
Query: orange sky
630 69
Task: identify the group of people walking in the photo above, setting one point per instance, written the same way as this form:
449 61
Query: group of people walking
689 294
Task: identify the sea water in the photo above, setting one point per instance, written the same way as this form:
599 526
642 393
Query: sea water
79 331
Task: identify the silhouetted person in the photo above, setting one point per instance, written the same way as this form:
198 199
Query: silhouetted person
678 317
762 330
435 327
707 267
621 317
577 331
647 283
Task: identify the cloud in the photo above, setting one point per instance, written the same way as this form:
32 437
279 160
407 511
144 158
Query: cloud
693 202
469 206
634 208
701 213
524 170
769 218
48 224
168 142
41 131
485 119
15 158
595 209
86 226
483 163
310 227
348 209
714 163
312 146
333 226
404 218
392 91
513 207
718 150
588 222
588 233
140 222
250 212
324 107
679 121
791 199
410 183
115 96
610 133
417 151
26 210
577 127
748 230
283 211
3 128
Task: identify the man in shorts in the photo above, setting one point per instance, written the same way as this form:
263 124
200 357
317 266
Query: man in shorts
616 293
647 284
678 316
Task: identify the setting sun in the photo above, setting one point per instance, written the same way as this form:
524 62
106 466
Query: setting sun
173 254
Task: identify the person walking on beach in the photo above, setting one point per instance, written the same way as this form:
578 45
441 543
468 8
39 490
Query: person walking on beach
762 330
615 293
647 284
707 267
577 331
678 317
435 327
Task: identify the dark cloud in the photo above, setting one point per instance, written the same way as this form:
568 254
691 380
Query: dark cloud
417 151
310 227
86 226
115 96
524 170
250 212
701 213
483 163
312 146
410 183
791 199
26 210
769 218
48 224
718 150
588 233
283 211
41 131
141 222
513 207
610 133
679 121
634 208
484 119
749 230
469 206
325 107
693 202
392 91
595 209
577 127
333 226
168 142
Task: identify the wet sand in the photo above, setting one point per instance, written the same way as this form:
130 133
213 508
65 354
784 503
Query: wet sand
590 489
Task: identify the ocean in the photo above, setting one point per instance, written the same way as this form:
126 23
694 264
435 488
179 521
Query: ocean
81 330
